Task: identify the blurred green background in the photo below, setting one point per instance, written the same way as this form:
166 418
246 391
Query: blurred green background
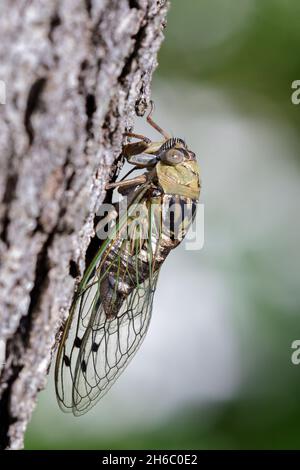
215 370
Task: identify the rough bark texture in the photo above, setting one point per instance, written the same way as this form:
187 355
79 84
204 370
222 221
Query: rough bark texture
75 73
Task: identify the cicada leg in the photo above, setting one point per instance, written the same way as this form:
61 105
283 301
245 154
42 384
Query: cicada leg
138 136
141 154
128 183
135 148
154 125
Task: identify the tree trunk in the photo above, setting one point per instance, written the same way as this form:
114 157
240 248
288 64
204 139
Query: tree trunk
75 72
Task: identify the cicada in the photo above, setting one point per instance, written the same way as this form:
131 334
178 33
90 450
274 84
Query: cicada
112 307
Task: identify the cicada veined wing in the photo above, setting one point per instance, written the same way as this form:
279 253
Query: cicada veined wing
99 341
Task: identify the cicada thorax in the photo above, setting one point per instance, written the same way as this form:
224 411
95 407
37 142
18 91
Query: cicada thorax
155 227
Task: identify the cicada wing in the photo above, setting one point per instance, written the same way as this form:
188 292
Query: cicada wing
69 348
108 346
96 353
95 348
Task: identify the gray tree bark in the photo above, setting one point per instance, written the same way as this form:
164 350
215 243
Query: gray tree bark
75 71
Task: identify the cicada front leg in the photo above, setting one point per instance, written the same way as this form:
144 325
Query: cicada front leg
145 145
135 148
141 154
141 149
127 183
153 124
138 136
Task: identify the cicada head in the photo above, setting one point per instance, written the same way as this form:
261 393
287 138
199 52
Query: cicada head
177 170
174 151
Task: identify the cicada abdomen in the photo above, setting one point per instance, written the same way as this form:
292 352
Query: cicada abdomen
112 308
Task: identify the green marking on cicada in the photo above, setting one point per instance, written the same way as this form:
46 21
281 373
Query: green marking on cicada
112 307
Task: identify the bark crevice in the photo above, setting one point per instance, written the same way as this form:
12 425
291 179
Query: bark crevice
33 103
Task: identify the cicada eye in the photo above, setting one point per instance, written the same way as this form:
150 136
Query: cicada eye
172 157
